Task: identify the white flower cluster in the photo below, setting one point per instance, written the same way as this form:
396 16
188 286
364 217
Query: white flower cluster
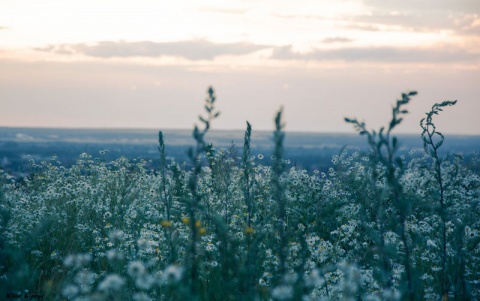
119 231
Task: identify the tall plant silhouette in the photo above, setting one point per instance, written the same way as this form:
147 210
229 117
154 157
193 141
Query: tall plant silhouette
384 147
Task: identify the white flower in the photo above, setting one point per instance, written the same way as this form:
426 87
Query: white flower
70 291
145 282
391 294
69 261
172 273
112 282
54 255
141 297
144 244
85 278
282 292
115 236
262 282
209 247
431 243
113 255
84 155
136 269
84 259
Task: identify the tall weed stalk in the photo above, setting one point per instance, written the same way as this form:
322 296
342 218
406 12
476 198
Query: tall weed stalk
193 203
384 147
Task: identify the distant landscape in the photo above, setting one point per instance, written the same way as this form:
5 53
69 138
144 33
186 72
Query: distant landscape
308 150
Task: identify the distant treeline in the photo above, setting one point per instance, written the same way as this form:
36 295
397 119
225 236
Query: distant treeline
306 150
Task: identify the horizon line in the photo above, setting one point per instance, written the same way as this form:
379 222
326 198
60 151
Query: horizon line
215 130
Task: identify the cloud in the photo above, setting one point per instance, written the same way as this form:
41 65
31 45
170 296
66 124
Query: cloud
460 16
301 16
193 50
3 28
460 24
63 49
363 26
468 25
385 17
234 11
409 21
427 6
381 54
204 50
332 40
471 30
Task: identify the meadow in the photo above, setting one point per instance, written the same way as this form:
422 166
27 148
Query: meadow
226 225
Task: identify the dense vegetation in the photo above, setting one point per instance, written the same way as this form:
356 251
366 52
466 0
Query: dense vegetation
376 226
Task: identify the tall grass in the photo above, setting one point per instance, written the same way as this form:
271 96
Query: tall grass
225 226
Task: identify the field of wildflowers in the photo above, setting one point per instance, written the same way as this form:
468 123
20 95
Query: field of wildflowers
225 226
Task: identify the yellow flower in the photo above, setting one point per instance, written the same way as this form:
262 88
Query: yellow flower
249 230
185 220
166 224
202 231
198 224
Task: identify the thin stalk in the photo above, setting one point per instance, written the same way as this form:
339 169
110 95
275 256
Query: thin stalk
167 200
249 283
194 203
431 148
384 148
279 136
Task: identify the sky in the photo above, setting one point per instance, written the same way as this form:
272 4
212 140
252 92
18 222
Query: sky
148 64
